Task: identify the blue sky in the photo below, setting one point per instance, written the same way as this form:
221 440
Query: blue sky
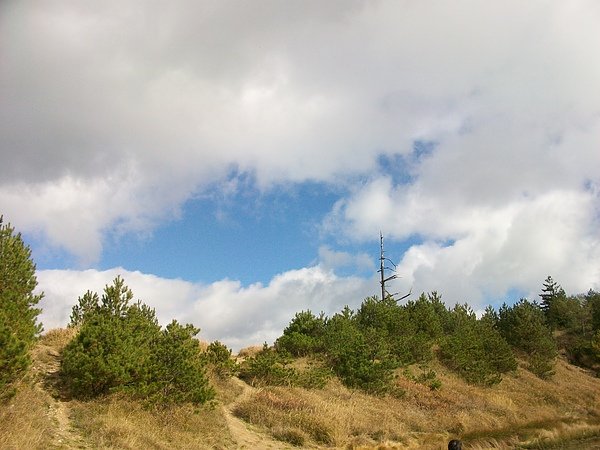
249 236
236 164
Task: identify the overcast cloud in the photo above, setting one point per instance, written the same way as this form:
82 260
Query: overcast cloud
113 114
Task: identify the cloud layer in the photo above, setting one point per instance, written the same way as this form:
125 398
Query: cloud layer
150 105
113 115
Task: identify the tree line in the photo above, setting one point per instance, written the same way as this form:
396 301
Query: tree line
120 347
364 348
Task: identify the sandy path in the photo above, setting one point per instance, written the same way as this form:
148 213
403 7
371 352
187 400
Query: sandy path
245 435
46 366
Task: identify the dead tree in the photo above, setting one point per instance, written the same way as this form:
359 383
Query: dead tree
382 268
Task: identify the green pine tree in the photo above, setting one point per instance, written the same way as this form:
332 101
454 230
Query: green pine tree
87 305
18 314
524 326
121 347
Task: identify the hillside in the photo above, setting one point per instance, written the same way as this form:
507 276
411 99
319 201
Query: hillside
522 411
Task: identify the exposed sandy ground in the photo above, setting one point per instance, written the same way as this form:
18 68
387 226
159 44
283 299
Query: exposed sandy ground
246 436
46 367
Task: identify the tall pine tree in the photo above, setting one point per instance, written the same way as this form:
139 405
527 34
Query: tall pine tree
18 315
550 292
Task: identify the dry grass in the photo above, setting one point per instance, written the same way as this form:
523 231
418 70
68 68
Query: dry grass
58 338
25 419
248 352
24 422
203 345
522 410
119 423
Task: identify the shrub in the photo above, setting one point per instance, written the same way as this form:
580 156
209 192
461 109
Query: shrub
86 305
357 364
218 358
177 370
14 360
427 377
523 325
475 349
121 347
303 336
314 377
405 332
268 368
110 353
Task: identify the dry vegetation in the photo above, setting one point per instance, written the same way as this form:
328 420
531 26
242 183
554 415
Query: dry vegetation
29 419
24 422
523 411
117 423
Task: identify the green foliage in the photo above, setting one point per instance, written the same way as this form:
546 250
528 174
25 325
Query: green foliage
523 325
427 317
219 360
268 368
177 370
562 312
592 301
87 305
364 348
580 341
475 349
315 377
356 361
595 345
121 347
111 353
551 290
404 333
303 336
14 359
18 315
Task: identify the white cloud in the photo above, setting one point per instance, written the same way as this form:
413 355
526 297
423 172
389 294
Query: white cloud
330 259
473 252
114 114
178 94
225 310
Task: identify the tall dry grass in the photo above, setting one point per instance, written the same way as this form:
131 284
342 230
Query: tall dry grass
523 411
520 410
119 423
24 422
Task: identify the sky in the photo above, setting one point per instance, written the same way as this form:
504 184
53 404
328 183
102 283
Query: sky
235 162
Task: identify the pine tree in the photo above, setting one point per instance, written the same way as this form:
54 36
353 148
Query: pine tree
121 347
18 315
85 307
304 334
550 292
524 327
475 349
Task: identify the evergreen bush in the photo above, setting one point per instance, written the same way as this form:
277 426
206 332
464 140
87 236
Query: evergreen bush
303 336
18 313
524 326
268 367
219 359
121 347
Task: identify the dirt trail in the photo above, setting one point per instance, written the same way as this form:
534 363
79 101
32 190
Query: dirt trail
46 365
244 434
